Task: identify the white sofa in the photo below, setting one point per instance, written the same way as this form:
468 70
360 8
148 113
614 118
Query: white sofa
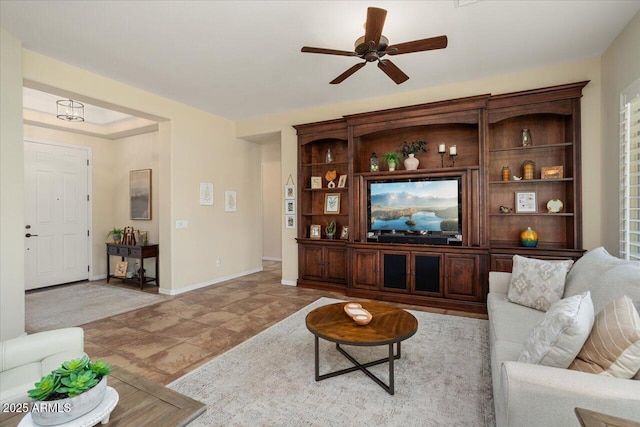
26 359
534 395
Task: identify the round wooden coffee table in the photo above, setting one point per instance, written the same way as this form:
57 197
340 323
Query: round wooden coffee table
389 326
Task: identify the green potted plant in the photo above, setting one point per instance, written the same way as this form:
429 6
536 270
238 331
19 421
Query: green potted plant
393 160
116 233
409 150
77 387
331 230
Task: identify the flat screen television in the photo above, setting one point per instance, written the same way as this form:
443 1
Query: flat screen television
415 206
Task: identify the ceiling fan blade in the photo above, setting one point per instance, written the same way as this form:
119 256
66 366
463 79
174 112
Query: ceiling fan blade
342 77
391 70
432 43
327 51
374 24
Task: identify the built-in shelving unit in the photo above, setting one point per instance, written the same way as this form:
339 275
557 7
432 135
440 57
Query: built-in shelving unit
486 131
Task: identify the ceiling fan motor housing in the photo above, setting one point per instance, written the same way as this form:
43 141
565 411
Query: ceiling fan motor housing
363 48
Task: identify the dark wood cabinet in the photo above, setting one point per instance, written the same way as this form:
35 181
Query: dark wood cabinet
323 263
486 130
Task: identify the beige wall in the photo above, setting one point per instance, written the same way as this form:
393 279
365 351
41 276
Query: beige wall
620 68
272 202
11 184
528 79
193 147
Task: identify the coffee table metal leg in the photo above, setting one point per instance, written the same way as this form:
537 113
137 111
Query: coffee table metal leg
317 359
390 389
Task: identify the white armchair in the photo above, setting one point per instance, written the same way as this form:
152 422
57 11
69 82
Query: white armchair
26 359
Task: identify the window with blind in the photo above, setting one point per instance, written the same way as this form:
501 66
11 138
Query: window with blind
630 172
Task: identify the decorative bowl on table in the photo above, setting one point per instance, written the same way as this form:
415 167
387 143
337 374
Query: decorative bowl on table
357 313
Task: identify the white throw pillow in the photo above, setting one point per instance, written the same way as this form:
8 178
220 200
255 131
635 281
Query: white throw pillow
559 336
536 283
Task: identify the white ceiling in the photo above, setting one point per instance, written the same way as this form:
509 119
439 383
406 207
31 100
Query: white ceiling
242 59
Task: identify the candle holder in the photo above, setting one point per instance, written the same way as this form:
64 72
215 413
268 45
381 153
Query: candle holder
442 149
453 153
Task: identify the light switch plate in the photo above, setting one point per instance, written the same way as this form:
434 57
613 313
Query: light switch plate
182 223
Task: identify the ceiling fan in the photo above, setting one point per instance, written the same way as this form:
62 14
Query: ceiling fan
373 46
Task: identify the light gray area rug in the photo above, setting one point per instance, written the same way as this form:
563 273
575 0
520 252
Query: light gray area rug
75 305
442 379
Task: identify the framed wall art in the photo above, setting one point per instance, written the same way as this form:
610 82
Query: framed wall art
290 221
120 269
230 201
332 203
140 194
206 194
342 181
289 192
526 202
289 207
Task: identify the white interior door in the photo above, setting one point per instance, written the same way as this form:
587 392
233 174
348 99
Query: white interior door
56 212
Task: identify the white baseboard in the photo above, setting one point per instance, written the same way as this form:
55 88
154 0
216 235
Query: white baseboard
208 283
269 258
288 282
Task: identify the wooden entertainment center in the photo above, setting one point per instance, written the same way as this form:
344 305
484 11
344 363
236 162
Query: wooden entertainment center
486 131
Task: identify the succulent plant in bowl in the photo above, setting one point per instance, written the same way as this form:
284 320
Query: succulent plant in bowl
77 386
331 230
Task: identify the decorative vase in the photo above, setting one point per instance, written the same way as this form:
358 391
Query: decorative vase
392 166
69 408
411 163
528 169
328 157
529 238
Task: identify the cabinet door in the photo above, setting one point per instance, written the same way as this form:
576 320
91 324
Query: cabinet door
366 271
311 261
462 278
395 271
426 274
335 267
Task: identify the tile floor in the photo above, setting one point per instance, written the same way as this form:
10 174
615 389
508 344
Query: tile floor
164 341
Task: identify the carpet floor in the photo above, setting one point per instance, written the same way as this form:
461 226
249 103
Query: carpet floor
74 305
443 378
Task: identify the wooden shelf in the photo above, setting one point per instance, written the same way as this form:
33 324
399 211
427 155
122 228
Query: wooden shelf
326 189
324 164
533 147
559 214
531 181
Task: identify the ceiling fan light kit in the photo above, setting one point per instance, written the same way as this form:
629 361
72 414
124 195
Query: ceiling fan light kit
373 46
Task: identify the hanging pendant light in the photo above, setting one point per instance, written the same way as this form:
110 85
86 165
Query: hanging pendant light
70 110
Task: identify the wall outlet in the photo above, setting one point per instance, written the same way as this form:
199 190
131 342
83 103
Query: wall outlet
218 262
182 223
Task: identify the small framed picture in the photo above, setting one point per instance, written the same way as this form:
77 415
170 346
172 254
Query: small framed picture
230 201
342 181
121 269
316 182
344 233
289 192
290 221
332 203
289 207
314 231
552 172
526 202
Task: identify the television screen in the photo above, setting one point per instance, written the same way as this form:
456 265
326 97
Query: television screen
423 205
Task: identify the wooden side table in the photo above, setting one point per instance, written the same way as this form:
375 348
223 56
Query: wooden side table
136 252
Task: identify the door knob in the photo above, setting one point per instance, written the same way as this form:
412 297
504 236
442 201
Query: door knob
30 235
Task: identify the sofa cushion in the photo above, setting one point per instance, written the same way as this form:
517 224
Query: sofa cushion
606 277
613 347
537 283
509 321
561 333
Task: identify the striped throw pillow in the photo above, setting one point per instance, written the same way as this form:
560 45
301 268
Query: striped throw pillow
613 347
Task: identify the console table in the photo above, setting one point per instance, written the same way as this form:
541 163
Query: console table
136 252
